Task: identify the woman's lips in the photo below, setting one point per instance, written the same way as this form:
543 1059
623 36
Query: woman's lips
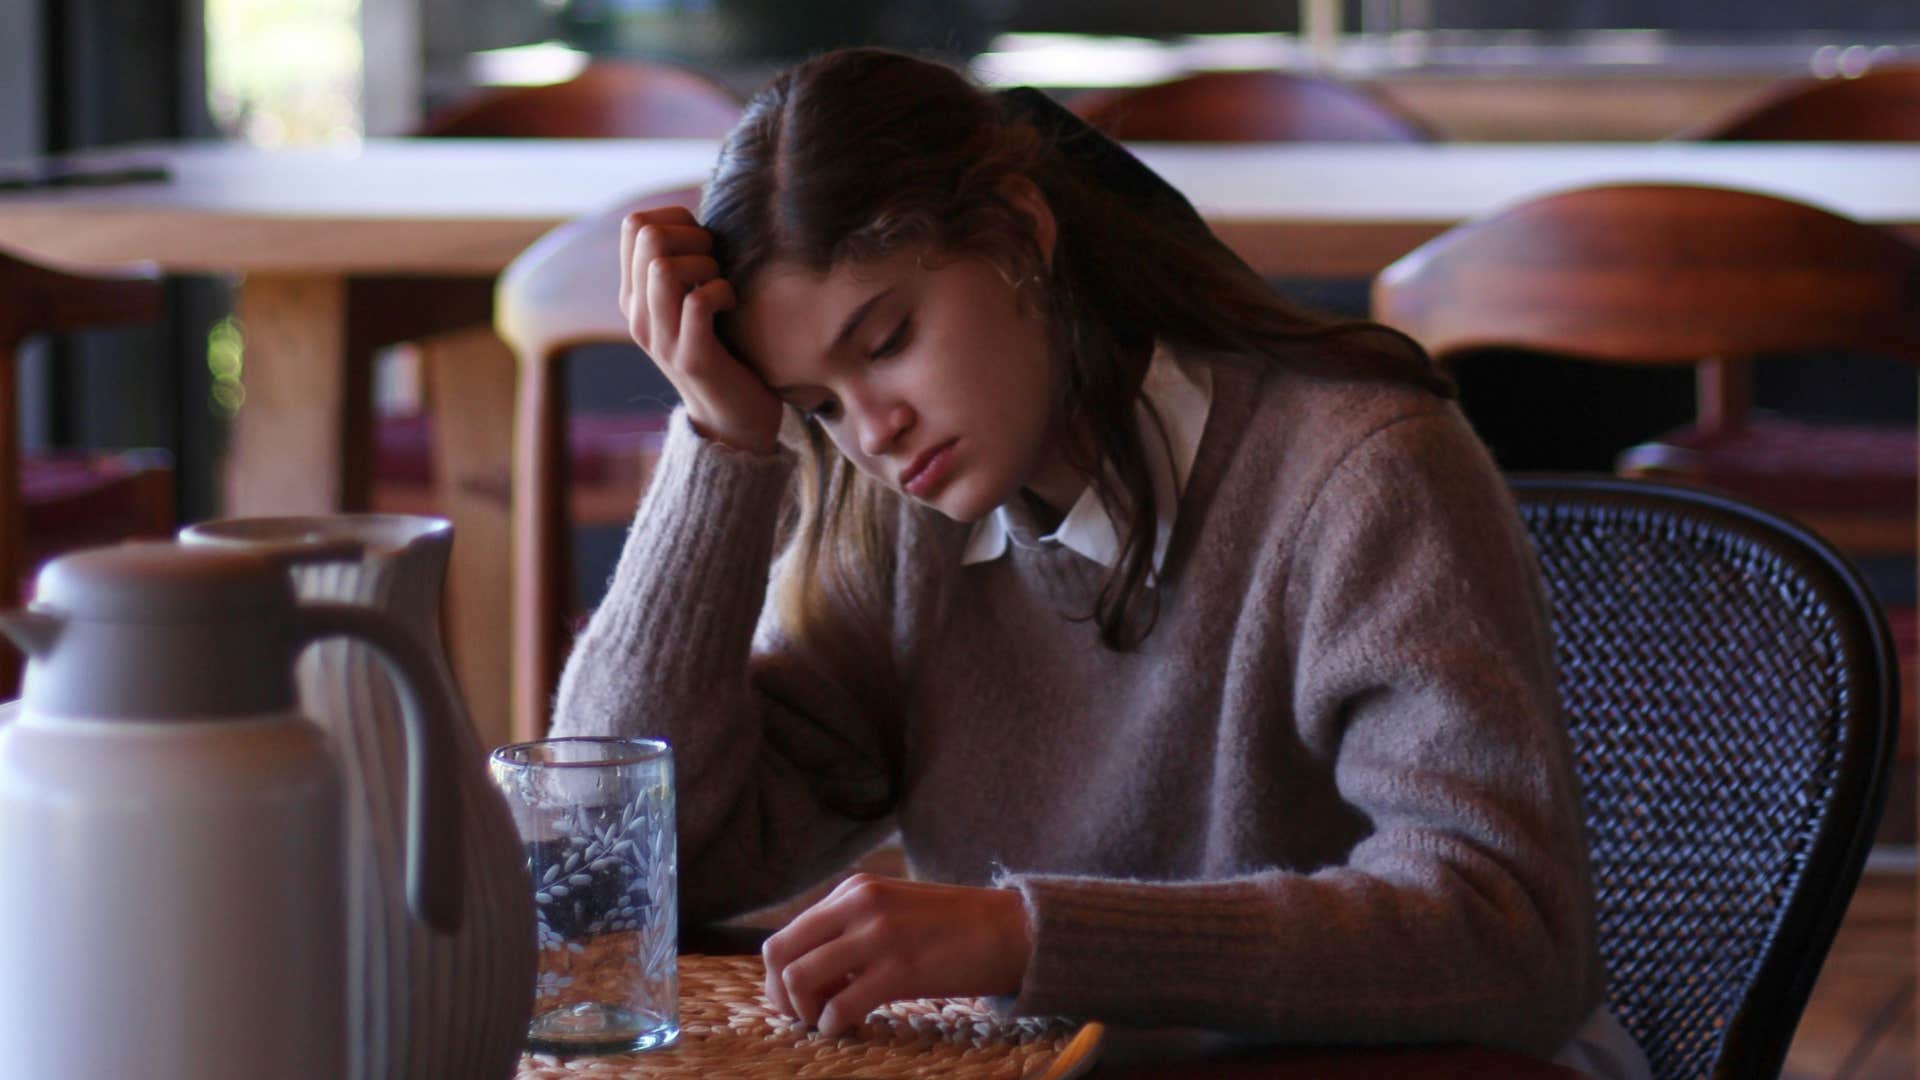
928 470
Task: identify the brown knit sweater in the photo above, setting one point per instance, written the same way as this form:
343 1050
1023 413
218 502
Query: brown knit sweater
1329 799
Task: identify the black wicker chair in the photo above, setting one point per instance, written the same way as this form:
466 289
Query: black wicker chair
1728 684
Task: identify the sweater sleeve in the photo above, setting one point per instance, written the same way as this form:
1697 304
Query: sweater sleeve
779 776
1423 678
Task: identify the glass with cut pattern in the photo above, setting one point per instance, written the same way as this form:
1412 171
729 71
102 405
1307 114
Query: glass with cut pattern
595 817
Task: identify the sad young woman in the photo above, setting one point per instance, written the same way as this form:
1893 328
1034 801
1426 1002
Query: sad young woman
1190 642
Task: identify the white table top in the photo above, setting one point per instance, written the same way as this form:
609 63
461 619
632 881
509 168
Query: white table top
468 206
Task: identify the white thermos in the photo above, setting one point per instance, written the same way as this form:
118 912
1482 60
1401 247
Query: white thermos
171 889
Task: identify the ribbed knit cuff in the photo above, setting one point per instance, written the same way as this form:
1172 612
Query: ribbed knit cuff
1102 947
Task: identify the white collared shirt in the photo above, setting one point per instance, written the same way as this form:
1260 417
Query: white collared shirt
1181 394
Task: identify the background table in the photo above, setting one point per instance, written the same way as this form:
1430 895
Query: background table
315 231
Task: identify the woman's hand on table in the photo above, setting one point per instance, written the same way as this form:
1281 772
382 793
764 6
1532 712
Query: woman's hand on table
670 290
876 939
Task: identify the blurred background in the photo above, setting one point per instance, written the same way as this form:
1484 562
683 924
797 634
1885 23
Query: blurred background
84 73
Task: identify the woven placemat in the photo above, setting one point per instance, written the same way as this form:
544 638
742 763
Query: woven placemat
728 1031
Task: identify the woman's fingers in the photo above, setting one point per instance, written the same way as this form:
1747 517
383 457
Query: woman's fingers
646 236
825 972
875 940
809 930
868 991
630 227
669 279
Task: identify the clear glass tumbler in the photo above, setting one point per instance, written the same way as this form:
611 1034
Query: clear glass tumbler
596 819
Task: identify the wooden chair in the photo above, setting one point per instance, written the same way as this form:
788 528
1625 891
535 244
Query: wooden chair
559 294
1656 274
1248 106
471 461
57 502
1882 105
609 98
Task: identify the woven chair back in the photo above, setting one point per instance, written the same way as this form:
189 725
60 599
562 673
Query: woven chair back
1727 683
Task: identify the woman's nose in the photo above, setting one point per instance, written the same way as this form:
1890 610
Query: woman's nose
882 425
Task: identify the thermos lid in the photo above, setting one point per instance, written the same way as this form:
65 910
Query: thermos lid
163 583
159 631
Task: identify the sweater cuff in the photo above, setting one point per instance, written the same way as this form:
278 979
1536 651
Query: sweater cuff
1098 941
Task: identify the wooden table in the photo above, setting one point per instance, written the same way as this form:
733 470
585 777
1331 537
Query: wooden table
314 232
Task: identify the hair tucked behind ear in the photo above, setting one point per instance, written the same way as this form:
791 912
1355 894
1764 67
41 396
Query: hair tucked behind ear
860 153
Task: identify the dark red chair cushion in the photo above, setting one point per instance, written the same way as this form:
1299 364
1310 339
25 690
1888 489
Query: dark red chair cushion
83 499
1794 464
403 445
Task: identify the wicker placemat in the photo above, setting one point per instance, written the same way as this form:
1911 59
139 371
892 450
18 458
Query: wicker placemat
728 1031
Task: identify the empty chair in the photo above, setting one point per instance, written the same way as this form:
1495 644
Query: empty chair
559 294
1727 685
1882 105
1709 278
607 99
57 502
1258 106
1248 106
462 469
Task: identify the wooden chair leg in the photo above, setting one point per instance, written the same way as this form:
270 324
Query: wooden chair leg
469 377
539 555
13 536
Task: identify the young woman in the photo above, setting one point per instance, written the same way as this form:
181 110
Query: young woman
1191 644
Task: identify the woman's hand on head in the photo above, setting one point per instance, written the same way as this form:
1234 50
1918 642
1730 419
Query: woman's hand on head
670 290
875 939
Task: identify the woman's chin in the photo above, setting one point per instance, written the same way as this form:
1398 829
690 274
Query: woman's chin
961 503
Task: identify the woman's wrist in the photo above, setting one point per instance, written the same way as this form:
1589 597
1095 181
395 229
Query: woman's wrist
1015 940
760 447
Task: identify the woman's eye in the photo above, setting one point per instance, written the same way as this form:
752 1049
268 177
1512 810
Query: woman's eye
894 341
828 409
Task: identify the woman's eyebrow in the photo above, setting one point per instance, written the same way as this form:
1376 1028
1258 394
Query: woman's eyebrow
852 323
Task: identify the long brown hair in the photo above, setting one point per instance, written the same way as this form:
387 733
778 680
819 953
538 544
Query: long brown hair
859 153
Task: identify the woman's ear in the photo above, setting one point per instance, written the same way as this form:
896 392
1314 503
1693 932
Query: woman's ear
1027 199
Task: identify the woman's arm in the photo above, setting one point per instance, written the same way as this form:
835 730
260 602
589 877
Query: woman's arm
1423 674
779 779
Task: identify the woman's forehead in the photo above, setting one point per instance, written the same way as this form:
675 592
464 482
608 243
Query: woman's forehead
792 313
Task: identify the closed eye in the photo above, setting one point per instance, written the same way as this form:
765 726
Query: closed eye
895 341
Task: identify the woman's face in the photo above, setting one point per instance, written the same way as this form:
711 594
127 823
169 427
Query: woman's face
928 373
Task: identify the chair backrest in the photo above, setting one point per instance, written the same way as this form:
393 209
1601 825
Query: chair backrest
1248 106
564 289
38 299
609 99
1657 274
1882 105
1728 685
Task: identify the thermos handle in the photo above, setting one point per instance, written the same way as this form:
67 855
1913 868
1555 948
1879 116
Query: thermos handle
433 800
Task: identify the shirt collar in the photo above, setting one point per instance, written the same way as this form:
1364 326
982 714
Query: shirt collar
1181 395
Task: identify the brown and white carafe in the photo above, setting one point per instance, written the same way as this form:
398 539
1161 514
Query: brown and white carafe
420 1005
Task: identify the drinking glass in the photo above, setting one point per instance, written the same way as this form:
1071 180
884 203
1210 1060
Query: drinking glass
595 817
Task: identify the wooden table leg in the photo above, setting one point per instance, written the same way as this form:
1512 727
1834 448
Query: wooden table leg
470 388
299 442
539 551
